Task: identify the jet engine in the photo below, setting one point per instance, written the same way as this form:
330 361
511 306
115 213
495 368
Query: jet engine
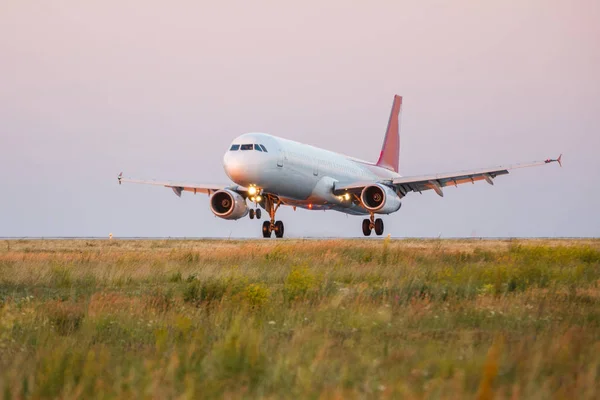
380 199
228 204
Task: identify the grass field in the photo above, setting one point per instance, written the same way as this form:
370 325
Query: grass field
309 319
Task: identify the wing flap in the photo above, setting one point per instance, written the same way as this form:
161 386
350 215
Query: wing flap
419 184
351 187
436 182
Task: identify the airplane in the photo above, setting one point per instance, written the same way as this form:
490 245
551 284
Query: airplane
270 171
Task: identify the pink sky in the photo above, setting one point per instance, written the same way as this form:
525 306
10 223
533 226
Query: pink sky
159 89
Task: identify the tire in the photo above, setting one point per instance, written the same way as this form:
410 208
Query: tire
266 229
279 229
258 213
379 226
366 227
251 213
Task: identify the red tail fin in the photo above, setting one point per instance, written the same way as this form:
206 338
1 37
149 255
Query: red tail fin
390 151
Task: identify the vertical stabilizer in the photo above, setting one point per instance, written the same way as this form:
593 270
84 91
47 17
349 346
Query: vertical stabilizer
390 151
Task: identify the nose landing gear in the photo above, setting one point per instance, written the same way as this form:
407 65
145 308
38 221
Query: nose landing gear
372 223
272 225
254 213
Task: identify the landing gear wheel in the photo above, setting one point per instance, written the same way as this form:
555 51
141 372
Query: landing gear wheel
251 213
366 227
266 229
278 229
271 204
379 226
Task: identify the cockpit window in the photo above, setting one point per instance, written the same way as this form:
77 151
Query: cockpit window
257 147
234 147
247 147
264 148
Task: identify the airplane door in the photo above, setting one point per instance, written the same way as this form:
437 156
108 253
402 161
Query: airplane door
316 167
280 158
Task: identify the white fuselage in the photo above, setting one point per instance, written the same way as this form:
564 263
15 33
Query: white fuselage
301 175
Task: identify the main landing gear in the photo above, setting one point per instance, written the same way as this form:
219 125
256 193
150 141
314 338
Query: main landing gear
272 225
372 223
269 227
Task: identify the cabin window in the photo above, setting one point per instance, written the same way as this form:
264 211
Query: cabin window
234 147
264 148
247 147
257 147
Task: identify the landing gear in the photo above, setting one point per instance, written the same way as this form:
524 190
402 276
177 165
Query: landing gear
372 223
379 226
266 229
272 225
278 229
254 213
366 226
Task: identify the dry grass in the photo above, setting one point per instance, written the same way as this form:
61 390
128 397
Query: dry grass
300 318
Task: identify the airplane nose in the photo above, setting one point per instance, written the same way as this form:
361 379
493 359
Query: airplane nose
233 167
242 168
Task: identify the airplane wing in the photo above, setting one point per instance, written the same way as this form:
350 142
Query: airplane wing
178 187
404 185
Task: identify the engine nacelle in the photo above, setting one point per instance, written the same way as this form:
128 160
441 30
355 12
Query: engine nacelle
228 204
380 199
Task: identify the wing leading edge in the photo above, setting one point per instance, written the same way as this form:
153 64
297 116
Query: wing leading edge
436 182
177 187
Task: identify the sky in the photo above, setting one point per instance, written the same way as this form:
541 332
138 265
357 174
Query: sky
159 89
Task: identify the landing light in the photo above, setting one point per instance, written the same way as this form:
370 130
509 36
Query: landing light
258 198
343 197
252 190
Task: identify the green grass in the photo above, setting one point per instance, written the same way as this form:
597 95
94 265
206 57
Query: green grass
309 319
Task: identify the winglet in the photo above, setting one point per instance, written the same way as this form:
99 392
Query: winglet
558 160
390 151
120 177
